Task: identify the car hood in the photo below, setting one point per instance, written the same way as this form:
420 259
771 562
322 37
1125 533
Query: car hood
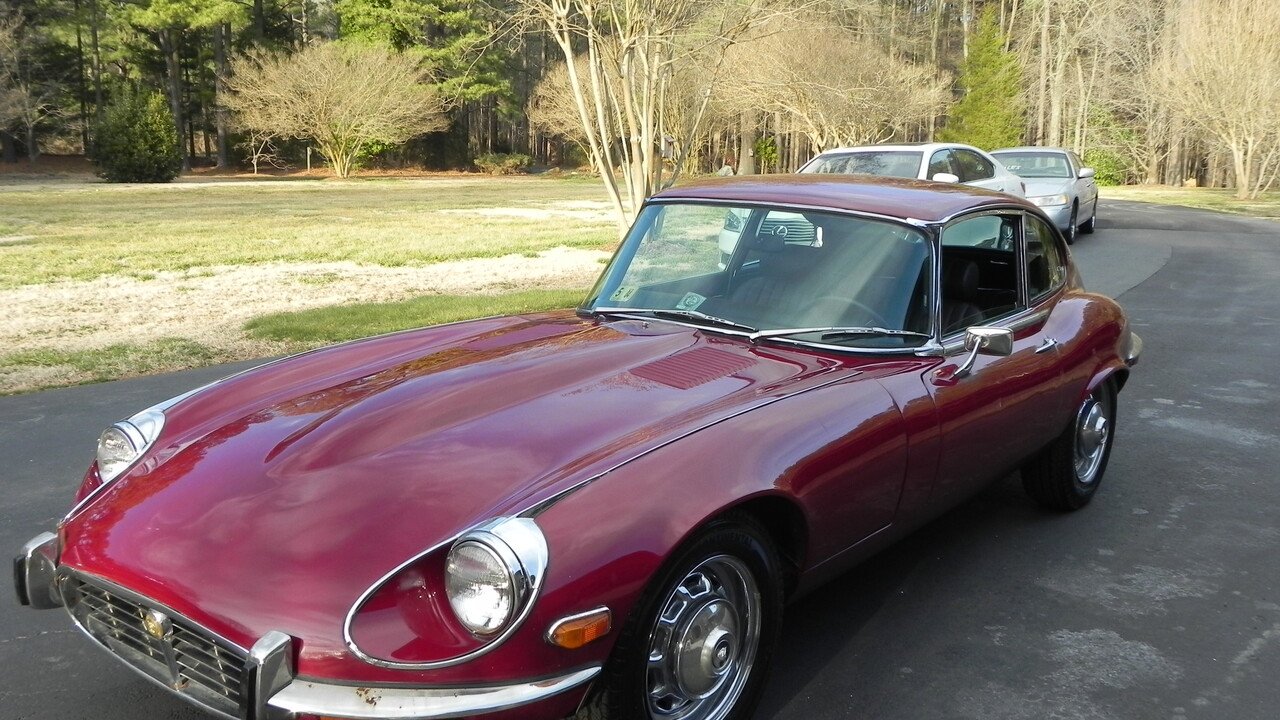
275 498
1046 186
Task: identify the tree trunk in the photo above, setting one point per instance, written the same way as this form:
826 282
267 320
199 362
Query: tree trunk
259 20
8 147
82 89
33 150
173 69
748 135
95 19
221 38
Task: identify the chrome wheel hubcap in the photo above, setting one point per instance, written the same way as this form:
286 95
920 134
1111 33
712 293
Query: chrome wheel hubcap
704 642
1093 427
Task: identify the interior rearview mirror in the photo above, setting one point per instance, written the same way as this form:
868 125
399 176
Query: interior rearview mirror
946 178
1087 172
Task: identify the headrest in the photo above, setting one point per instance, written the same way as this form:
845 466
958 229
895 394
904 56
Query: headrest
960 279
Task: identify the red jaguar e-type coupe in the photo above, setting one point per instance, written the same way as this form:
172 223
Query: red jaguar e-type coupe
599 512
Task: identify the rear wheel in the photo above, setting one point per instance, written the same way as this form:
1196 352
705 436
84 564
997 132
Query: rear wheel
697 646
1066 474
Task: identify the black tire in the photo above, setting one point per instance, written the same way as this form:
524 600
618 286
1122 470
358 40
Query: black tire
1071 225
1092 225
1052 478
622 690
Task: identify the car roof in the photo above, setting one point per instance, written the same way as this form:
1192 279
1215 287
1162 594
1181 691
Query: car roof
901 147
1032 148
894 197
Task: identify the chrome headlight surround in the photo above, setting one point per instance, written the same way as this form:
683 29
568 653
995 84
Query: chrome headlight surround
519 536
519 549
1050 200
121 445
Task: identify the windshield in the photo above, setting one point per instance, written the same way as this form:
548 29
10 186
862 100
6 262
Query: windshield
898 163
832 279
1036 164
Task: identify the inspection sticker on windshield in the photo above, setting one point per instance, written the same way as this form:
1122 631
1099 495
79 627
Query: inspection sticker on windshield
690 301
623 293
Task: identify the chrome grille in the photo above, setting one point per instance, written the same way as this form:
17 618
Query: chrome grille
187 659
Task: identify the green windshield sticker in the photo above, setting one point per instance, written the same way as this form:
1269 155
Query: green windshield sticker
690 301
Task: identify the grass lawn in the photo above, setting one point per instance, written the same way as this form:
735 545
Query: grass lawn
337 323
107 281
1266 206
57 231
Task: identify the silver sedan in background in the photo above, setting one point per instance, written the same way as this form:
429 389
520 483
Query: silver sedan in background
1059 183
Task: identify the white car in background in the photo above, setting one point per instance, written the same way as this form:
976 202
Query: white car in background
940 162
1059 183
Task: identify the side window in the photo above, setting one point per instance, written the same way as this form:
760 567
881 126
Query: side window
979 271
941 162
1046 263
973 166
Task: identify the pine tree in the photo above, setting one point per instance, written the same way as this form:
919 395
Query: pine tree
137 140
989 115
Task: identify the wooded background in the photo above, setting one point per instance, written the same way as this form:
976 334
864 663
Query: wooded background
1150 91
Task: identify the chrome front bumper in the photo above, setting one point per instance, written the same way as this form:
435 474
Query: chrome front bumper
268 687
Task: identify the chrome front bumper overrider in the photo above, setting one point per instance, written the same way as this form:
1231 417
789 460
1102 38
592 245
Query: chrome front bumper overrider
267 688
1134 351
309 697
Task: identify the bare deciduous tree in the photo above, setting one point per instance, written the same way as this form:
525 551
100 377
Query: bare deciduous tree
843 89
346 99
9 101
1224 78
632 48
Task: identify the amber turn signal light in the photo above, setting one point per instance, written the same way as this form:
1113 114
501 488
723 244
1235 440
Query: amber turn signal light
577 630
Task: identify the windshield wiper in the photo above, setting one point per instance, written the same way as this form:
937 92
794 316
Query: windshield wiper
832 333
678 314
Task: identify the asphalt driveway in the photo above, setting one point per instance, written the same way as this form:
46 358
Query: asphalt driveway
1160 600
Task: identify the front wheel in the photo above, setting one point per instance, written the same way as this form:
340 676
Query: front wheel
1092 225
1066 474
1072 229
698 644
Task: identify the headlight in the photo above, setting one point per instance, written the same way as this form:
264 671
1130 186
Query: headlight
732 222
492 573
122 444
481 588
1048 200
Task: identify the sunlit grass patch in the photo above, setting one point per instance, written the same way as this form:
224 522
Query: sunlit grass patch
348 322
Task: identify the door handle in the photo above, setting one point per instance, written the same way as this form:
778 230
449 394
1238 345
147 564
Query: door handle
1047 345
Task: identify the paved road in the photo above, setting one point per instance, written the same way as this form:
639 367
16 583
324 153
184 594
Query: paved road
1161 600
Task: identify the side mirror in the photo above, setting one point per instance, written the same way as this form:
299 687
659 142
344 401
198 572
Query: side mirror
946 178
985 340
1086 173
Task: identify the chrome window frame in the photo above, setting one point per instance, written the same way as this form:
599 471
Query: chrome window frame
927 229
1055 238
954 342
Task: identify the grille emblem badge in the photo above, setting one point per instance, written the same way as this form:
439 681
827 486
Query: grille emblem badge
157 624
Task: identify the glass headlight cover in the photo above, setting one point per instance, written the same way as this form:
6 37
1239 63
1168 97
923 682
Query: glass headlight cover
1050 200
481 587
120 445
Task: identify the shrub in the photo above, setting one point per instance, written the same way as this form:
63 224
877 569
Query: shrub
1111 167
503 163
136 140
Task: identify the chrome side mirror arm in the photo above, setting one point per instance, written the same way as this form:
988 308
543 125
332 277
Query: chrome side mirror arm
984 340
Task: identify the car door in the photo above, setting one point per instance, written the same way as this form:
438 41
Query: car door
941 161
978 171
1086 188
999 413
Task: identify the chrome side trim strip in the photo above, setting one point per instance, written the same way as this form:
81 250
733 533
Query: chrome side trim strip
308 697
